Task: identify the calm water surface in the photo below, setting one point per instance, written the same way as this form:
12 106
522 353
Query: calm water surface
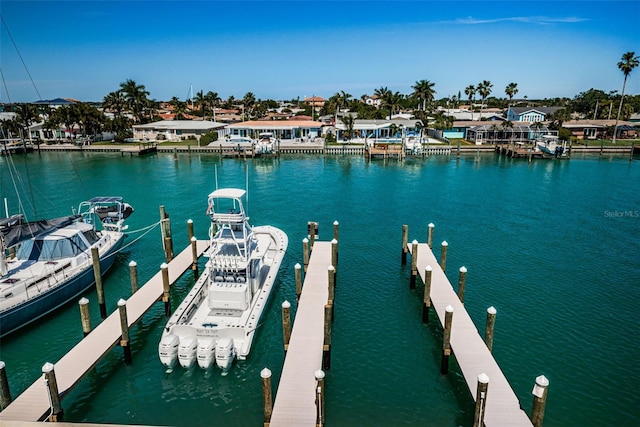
553 245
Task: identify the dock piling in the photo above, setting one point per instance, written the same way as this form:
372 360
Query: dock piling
481 400
428 271
54 397
446 340
443 255
326 348
190 229
414 264
539 400
305 253
166 294
85 317
98 278
462 279
165 229
312 228
336 224
405 242
286 324
194 256
331 273
267 400
298 270
334 260
5 394
133 276
491 322
430 235
124 327
319 374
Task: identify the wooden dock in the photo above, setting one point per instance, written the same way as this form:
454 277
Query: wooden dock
295 399
33 403
470 350
385 151
140 149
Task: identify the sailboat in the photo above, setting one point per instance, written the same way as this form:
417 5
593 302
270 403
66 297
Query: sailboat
45 264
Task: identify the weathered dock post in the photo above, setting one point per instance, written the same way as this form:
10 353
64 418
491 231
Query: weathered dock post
539 400
124 327
305 253
334 260
462 280
336 224
446 340
443 255
133 276
286 325
267 400
54 397
331 273
165 228
326 347
194 256
298 270
190 229
414 264
430 235
85 317
491 322
481 400
428 271
166 289
405 242
312 228
98 278
5 393
319 374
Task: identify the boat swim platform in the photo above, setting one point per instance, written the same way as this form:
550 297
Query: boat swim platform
295 403
33 404
471 352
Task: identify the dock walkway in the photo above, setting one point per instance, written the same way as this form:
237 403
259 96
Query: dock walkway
470 350
295 398
33 403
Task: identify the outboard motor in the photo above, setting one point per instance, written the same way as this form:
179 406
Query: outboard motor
187 351
225 353
168 350
205 353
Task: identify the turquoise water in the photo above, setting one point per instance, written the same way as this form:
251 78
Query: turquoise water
553 245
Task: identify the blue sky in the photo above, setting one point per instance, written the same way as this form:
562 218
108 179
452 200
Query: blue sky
283 50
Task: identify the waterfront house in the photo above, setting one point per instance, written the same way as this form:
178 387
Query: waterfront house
176 130
530 114
281 129
380 129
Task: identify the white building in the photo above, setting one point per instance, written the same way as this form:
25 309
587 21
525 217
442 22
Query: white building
176 130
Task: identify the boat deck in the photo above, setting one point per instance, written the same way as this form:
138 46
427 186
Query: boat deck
295 398
473 356
33 403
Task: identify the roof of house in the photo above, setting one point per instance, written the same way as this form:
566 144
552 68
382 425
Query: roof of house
543 110
181 124
283 124
315 99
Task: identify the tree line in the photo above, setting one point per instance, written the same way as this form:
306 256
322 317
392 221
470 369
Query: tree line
130 104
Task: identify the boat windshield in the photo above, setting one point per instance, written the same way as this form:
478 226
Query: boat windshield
48 249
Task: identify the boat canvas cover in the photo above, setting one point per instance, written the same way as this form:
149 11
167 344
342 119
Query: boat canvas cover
20 232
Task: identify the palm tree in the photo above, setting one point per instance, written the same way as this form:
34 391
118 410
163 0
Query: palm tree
179 107
349 122
392 100
484 89
249 101
115 102
423 90
136 96
626 65
213 99
341 100
470 91
200 101
26 115
511 90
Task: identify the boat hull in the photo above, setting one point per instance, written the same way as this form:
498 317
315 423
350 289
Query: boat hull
35 308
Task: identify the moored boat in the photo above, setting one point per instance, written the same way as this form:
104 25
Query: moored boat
45 264
550 145
218 318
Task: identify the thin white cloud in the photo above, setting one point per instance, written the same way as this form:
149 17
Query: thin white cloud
538 20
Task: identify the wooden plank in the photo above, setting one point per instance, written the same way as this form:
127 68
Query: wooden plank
33 403
295 398
473 356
